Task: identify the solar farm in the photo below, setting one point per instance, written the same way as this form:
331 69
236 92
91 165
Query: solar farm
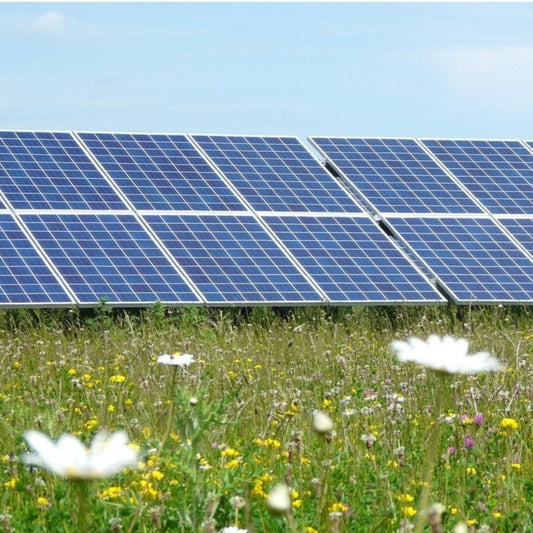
276 335
133 219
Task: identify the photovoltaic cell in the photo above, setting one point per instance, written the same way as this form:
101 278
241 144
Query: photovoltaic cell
25 279
352 260
108 256
521 229
276 174
471 257
395 175
232 259
498 173
161 172
44 170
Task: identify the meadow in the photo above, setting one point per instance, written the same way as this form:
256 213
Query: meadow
216 436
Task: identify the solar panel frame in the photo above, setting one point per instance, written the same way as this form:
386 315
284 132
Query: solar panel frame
463 252
108 256
232 259
356 260
499 173
160 172
391 172
50 170
276 174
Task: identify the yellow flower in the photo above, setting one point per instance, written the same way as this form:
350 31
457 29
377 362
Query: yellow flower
405 498
496 515
509 423
42 502
516 466
234 463
230 453
338 507
117 379
453 511
408 511
11 484
471 471
71 372
110 408
157 475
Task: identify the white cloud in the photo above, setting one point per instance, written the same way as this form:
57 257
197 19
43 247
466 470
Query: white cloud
498 76
50 22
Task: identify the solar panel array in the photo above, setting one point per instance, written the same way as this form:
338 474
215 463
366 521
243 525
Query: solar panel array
258 220
445 201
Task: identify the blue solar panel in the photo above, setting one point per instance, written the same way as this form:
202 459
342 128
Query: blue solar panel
43 170
161 172
521 229
498 173
471 257
108 256
395 175
232 259
352 260
24 277
276 174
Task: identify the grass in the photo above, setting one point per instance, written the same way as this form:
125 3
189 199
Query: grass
241 418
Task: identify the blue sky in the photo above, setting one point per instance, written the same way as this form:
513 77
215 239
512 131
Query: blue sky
347 69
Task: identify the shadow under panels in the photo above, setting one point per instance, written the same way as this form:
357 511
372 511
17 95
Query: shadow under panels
435 216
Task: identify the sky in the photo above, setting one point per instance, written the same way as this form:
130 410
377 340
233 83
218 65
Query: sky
460 70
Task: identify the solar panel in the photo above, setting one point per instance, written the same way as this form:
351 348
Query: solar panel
161 172
108 256
276 174
25 279
395 175
232 259
352 260
44 170
470 257
521 229
498 173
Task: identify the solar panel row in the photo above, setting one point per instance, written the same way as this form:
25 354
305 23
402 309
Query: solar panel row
483 253
138 218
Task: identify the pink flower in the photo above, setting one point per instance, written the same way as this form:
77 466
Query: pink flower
469 441
478 419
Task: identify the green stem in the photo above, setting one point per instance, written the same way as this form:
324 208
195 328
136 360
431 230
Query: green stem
80 489
431 454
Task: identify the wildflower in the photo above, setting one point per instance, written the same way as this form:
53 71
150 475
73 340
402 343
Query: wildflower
117 379
237 502
279 498
509 423
176 359
468 441
445 354
322 422
42 502
69 458
471 471
478 419
233 529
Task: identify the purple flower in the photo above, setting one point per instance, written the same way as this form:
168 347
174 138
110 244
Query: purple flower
469 441
451 450
478 419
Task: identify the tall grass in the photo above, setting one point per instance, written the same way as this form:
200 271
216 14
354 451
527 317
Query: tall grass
241 418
